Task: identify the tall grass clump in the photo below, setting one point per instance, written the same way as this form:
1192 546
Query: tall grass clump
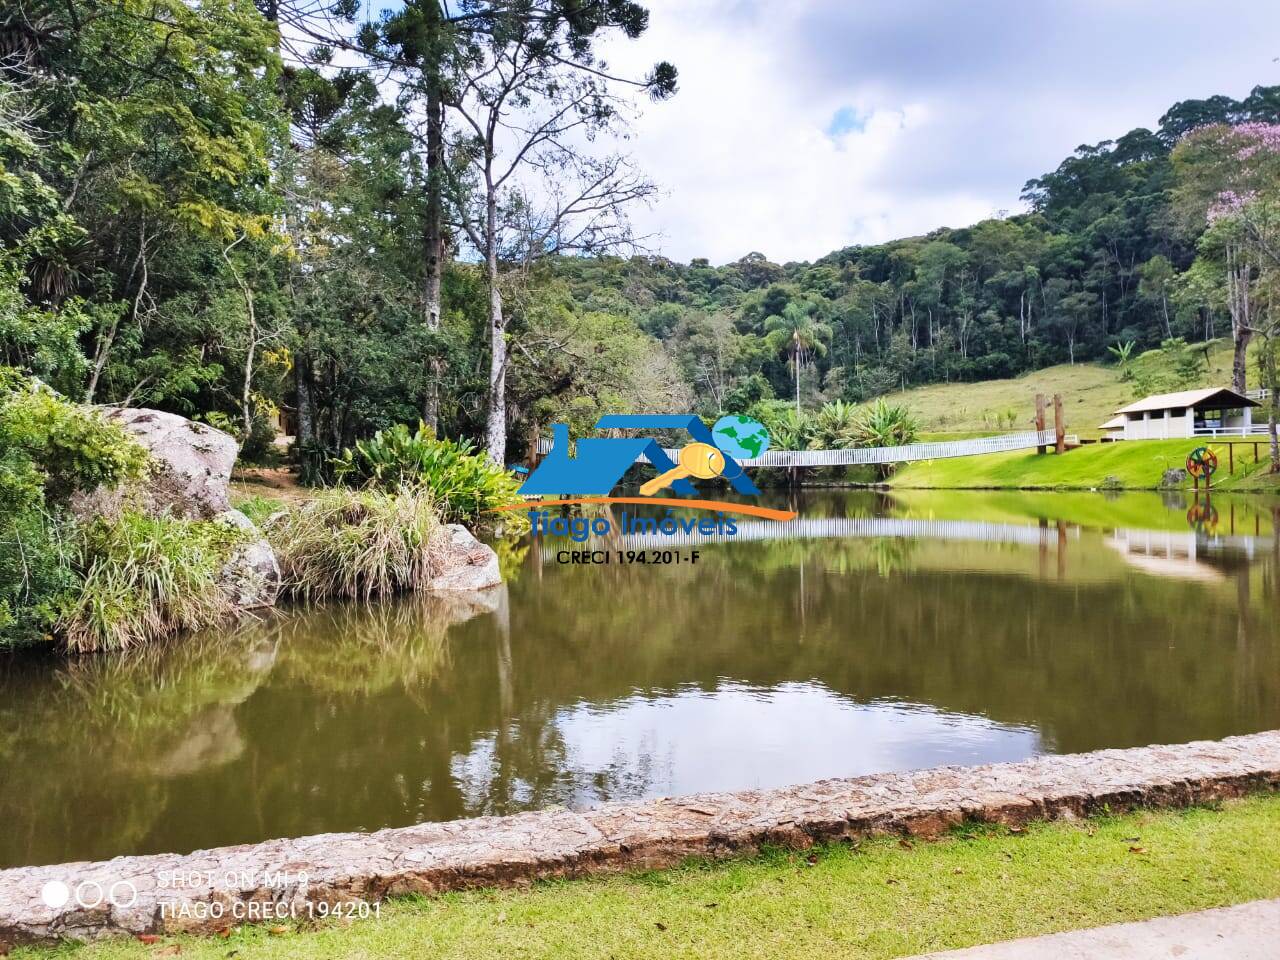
146 578
357 543
463 483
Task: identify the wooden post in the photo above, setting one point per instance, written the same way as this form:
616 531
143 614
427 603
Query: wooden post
1231 459
1040 419
1059 426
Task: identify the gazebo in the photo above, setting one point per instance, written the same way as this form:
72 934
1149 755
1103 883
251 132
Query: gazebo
1208 412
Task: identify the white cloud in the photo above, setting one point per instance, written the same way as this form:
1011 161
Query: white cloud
959 104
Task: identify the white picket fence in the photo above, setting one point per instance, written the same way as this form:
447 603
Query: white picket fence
1254 430
942 450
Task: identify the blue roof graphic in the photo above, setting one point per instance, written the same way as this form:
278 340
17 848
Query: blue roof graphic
595 471
602 461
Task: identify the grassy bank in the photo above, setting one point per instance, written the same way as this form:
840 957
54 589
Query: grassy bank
877 899
1136 464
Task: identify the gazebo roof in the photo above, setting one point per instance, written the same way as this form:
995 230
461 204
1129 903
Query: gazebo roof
1220 396
1115 423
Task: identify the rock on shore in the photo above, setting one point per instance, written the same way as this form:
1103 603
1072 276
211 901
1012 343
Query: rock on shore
190 478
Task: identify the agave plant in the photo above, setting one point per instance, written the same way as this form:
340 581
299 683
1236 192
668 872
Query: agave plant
835 426
791 431
885 424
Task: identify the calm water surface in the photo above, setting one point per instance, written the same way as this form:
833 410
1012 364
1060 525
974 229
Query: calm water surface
897 632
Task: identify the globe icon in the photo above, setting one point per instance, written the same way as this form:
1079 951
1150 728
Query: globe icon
740 437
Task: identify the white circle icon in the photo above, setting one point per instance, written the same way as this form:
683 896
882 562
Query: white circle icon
55 894
122 889
83 895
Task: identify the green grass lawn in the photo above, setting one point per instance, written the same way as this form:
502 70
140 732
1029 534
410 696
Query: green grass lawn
1135 463
882 898
1091 392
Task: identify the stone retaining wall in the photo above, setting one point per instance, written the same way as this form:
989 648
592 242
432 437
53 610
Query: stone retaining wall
213 889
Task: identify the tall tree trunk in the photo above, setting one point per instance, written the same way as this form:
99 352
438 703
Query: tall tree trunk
246 400
107 338
1272 383
796 357
434 253
251 349
496 425
1241 327
302 396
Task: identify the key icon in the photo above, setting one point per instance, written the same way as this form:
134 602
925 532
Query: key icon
700 460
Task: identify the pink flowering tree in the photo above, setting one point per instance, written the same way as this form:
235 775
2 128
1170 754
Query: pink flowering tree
1228 184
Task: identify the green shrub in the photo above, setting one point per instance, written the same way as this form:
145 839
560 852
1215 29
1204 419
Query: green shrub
885 424
258 445
356 543
71 448
145 578
36 577
788 430
462 483
833 426
49 449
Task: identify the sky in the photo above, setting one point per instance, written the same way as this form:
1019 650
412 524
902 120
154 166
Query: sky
803 126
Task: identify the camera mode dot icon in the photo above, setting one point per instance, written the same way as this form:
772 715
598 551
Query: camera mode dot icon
55 894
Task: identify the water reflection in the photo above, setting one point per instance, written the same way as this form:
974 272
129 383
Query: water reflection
892 633
691 740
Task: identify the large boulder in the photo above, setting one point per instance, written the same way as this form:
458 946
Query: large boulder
190 478
465 562
192 462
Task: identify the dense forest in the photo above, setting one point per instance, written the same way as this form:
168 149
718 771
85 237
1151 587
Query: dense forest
1110 254
235 211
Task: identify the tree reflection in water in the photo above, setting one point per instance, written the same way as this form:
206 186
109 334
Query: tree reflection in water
766 662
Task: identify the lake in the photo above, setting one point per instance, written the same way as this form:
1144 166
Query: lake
876 632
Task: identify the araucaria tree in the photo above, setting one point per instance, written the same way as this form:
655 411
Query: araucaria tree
525 184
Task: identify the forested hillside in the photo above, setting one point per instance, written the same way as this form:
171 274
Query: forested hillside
234 210
1107 256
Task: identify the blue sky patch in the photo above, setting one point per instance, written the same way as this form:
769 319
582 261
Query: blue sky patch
846 120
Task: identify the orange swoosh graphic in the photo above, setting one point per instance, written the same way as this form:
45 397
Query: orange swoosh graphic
723 505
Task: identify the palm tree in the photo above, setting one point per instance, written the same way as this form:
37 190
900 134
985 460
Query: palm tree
798 334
